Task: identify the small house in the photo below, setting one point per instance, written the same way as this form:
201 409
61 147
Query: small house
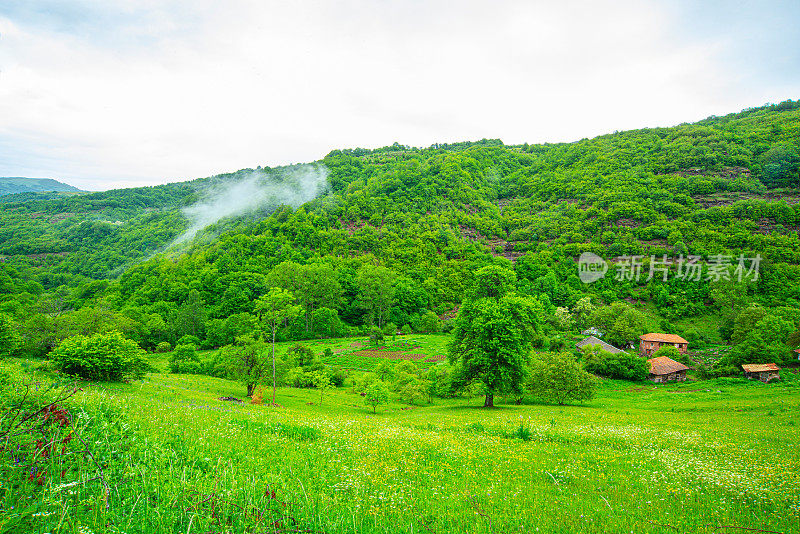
761 371
663 369
649 343
591 340
798 353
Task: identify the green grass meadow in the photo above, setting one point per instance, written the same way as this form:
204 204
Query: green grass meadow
361 354
711 456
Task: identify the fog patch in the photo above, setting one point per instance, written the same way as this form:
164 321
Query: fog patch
252 191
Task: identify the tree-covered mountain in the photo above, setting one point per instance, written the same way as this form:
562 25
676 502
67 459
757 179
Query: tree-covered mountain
13 185
397 232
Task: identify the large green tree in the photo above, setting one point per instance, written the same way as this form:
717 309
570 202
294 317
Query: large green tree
495 330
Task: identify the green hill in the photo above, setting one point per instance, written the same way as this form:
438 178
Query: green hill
14 185
724 187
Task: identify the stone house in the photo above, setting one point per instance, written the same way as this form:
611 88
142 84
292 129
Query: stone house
663 369
761 371
649 343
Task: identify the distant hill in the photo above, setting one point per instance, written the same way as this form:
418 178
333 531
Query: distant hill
14 185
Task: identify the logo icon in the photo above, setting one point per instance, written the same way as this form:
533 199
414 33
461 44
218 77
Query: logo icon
591 267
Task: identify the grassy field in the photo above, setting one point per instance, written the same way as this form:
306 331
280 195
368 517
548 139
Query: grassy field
716 456
359 353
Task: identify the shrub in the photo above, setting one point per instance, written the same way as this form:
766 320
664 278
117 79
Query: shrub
389 329
109 357
163 347
303 356
258 397
623 366
337 377
376 335
674 354
559 378
406 330
9 340
440 381
188 339
363 382
184 359
430 323
297 377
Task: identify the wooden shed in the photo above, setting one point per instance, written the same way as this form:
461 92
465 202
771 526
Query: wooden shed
761 371
663 369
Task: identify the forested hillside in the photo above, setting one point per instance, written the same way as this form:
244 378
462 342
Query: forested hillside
398 232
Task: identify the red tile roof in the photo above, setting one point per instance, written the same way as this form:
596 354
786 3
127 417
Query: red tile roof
663 338
759 367
664 366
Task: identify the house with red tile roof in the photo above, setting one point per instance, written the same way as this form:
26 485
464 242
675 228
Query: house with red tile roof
663 369
649 343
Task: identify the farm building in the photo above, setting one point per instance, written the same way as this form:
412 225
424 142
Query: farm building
591 340
663 369
649 343
761 371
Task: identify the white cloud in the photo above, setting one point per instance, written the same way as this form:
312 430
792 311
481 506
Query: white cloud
143 93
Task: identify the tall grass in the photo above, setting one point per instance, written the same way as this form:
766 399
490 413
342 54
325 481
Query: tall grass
676 458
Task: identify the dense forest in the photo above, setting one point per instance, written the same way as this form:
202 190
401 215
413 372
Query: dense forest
395 235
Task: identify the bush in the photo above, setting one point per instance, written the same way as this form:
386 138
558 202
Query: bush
559 378
297 377
363 382
430 323
337 377
184 359
9 340
440 381
623 366
109 357
389 329
674 354
302 356
188 339
406 330
163 347
376 335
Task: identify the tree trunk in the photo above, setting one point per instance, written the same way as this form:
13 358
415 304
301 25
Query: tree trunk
489 402
250 388
273 366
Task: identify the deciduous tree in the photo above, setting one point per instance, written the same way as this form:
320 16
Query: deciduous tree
495 330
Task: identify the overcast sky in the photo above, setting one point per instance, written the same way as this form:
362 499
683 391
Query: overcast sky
117 93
